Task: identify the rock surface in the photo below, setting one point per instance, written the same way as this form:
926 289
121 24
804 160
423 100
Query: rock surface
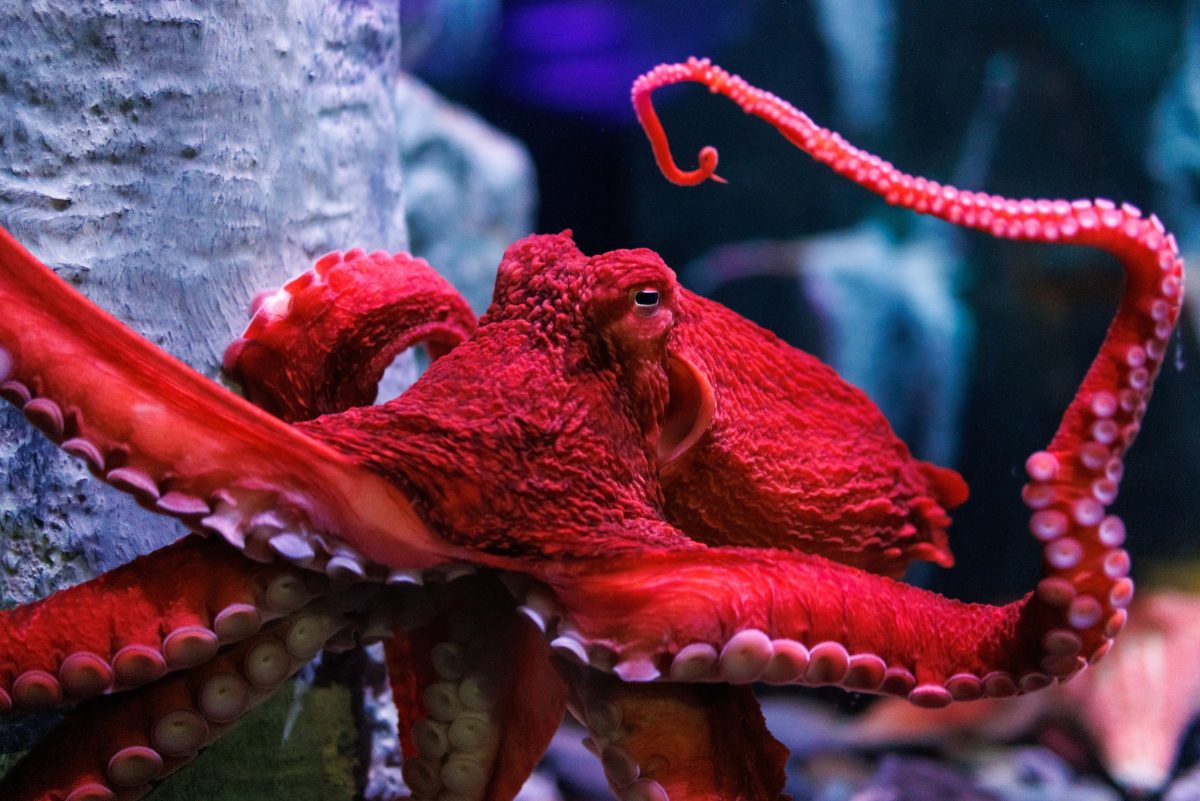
171 160
469 189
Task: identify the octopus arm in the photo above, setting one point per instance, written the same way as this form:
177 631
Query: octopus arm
117 747
678 740
739 615
1080 602
1077 475
180 443
477 694
164 612
321 343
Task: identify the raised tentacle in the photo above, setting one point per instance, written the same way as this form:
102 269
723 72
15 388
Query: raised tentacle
115 748
478 697
1076 477
678 741
163 612
321 343
180 443
748 614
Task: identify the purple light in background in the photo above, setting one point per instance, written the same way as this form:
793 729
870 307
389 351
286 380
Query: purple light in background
594 85
582 55
566 28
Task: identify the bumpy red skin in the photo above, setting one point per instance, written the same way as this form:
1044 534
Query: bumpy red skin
320 344
582 453
831 478
560 435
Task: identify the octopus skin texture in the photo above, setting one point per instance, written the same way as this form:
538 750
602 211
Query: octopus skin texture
607 495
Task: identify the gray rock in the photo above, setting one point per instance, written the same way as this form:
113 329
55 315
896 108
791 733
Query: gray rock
171 160
913 779
469 189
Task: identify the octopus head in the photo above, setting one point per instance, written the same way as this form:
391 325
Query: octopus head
610 314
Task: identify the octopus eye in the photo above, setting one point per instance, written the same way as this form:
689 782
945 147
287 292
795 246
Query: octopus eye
645 302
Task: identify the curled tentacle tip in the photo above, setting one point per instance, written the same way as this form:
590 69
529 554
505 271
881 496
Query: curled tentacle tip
708 163
704 172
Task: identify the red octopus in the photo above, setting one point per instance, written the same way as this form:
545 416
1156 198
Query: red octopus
610 496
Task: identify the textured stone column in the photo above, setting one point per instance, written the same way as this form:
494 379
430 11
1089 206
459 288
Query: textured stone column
170 159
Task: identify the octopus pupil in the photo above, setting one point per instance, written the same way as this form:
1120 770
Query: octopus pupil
646 297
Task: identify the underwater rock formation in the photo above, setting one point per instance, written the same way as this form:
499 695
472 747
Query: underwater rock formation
469 189
166 166
886 315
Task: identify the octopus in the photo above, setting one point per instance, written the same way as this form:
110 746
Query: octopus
608 496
